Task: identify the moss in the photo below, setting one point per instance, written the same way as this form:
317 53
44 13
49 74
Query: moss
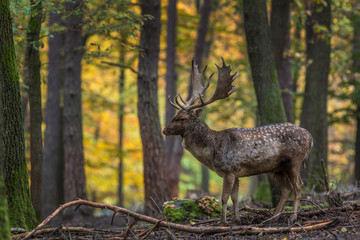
21 211
263 193
182 211
4 219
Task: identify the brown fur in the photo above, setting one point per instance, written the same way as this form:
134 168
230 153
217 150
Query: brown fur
238 152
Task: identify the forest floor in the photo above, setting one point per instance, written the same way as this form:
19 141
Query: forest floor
318 223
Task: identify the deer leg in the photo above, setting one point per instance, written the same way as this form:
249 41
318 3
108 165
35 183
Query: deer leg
286 189
228 184
234 198
297 183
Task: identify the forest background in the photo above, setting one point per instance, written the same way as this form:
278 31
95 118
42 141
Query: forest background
109 67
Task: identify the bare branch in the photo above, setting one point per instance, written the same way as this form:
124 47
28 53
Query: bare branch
120 66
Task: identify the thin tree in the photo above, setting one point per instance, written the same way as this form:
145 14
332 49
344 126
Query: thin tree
33 64
74 173
121 122
156 190
263 70
314 108
356 99
53 164
12 145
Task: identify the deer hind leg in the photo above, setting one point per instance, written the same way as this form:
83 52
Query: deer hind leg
228 184
286 189
234 198
295 179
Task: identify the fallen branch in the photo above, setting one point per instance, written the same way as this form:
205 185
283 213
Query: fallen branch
175 226
273 230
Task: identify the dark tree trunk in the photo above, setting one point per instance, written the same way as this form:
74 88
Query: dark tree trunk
74 175
280 39
12 146
356 69
33 64
200 50
121 123
202 31
263 70
314 114
173 148
156 190
53 164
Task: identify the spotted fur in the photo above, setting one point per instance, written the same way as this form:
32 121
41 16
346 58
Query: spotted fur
238 152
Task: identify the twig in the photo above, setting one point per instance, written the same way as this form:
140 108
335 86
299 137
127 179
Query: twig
333 198
120 66
170 234
325 176
148 231
129 228
271 218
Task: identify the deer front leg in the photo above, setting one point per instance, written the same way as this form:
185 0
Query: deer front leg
228 184
234 198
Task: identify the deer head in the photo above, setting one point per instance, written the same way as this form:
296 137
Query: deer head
190 110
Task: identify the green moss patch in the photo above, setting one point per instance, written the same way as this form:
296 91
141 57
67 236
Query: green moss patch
181 211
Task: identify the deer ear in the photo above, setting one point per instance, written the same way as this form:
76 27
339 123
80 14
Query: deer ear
198 112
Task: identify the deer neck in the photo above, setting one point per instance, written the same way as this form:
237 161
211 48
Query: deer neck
199 140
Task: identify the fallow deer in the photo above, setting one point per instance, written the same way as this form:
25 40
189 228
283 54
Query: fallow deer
238 152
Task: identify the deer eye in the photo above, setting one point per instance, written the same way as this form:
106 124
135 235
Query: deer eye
182 119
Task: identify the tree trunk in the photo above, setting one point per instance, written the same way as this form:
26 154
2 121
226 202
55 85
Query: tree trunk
314 114
4 216
280 39
263 70
121 123
173 148
156 190
33 64
12 146
74 175
53 165
356 70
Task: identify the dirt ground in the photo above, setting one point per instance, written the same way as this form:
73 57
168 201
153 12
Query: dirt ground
320 223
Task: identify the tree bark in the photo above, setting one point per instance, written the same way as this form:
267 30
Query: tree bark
356 72
156 190
4 216
314 108
202 31
12 146
74 175
263 70
53 164
33 64
280 39
173 148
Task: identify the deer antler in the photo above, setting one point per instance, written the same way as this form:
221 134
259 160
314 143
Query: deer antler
224 87
198 89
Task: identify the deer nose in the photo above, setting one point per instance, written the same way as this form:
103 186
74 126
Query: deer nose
165 130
